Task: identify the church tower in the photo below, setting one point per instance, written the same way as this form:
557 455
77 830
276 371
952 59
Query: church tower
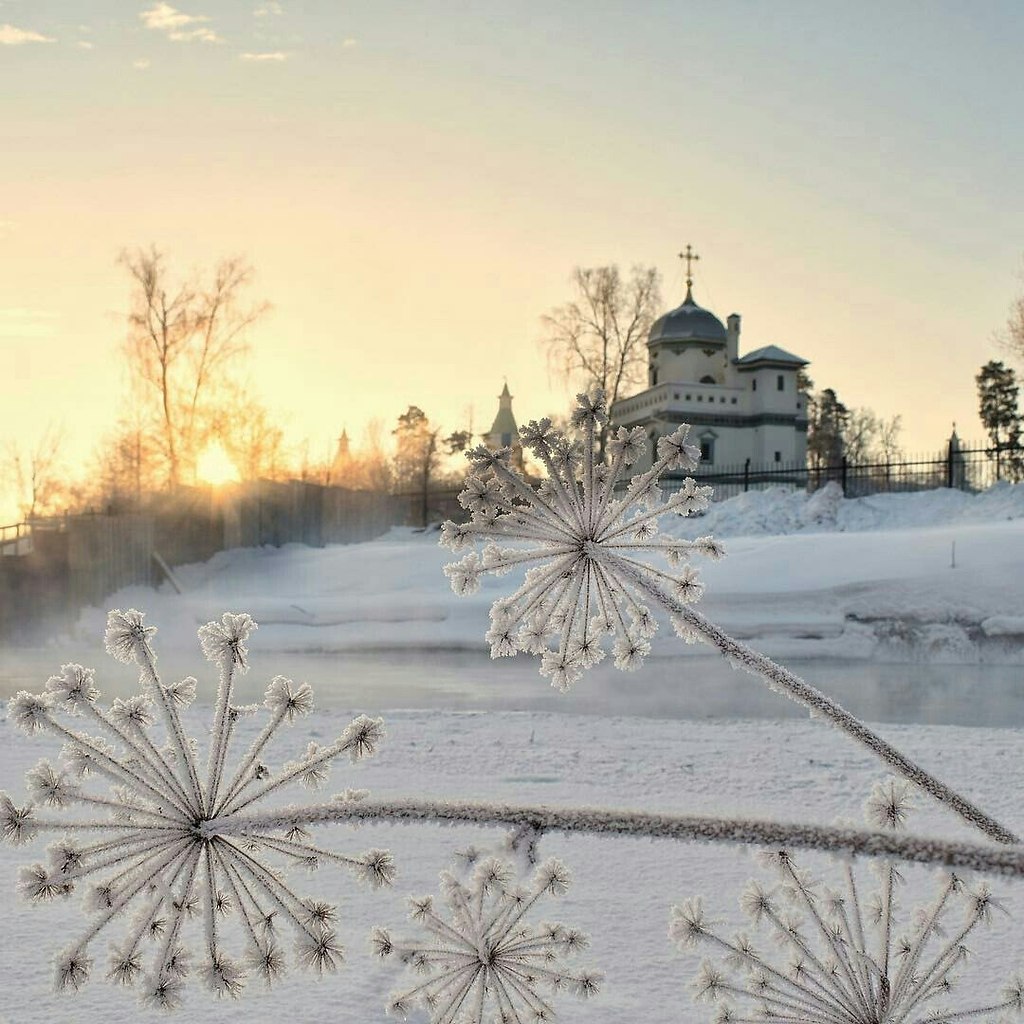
504 432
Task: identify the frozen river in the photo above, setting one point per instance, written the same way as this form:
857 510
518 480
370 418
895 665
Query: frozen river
694 688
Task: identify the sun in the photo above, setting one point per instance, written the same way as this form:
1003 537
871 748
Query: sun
214 466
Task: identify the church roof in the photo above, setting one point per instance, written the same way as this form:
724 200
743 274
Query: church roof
771 354
688 322
504 422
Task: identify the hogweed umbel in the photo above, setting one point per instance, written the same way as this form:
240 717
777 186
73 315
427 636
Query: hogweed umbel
483 960
843 955
152 848
589 546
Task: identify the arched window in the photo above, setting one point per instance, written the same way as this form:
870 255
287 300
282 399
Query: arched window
708 379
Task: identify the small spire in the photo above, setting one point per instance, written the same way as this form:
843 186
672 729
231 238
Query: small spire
691 257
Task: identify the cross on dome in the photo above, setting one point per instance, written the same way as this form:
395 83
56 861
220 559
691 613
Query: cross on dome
691 257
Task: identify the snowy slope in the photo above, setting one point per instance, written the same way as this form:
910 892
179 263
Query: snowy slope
875 578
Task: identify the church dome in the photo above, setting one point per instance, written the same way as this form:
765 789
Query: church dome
688 322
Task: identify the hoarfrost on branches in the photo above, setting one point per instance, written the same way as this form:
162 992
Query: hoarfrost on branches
151 855
482 956
843 953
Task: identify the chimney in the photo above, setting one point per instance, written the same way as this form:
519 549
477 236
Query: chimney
732 337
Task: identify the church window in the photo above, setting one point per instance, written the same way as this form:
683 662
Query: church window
654 375
707 379
753 384
707 449
688 398
778 456
700 398
780 382
675 395
734 401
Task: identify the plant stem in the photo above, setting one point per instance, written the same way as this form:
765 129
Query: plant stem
624 823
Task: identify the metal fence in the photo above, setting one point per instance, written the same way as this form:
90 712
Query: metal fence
53 567
970 468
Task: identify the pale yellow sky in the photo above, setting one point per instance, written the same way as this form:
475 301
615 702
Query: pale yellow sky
415 182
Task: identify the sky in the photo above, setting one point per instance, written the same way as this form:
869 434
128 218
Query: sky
415 182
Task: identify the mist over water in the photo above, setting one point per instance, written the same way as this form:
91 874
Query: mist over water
682 688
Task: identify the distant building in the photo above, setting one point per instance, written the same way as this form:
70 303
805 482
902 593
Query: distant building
342 462
740 407
504 432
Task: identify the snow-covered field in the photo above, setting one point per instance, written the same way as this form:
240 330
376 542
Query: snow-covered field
867 581
622 889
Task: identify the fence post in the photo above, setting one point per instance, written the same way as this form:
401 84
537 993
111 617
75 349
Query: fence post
844 474
746 476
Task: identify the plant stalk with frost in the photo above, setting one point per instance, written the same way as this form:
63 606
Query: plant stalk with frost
483 955
843 955
148 845
619 823
587 547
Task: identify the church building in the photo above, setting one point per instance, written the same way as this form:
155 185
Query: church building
740 406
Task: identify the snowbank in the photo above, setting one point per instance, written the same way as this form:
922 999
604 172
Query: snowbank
781 511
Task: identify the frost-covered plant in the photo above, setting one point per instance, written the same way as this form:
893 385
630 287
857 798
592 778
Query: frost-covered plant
843 955
483 957
586 548
589 542
148 853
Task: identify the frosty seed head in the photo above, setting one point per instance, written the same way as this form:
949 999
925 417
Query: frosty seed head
483 943
127 637
29 711
362 737
73 687
165 845
50 787
377 868
224 642
889 804
846 927
183 693
288 699
585 543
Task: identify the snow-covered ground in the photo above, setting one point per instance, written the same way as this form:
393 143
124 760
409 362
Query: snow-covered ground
867 581
622 889
935 576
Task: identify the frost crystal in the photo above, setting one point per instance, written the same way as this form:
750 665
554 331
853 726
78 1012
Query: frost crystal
483 957
842 954
587 551
164 844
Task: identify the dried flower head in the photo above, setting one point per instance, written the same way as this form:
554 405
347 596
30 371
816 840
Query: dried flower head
842 954
483 957
586 544
169 842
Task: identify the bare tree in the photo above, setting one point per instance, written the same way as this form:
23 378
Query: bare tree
37 473
417 455
253 440
600 336
1011 338
182 339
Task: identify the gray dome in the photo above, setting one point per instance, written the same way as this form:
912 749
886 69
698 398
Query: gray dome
688 322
